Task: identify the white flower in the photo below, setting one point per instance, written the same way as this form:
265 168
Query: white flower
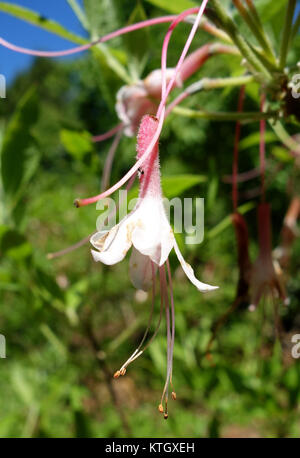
147 229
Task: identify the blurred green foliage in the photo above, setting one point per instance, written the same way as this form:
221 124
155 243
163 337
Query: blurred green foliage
70 323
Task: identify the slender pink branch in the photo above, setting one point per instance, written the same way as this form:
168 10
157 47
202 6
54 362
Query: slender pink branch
70 248
108 134
242 177
109 161
193 62
109 36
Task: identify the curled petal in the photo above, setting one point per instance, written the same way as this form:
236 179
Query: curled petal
190 272
112 245
132 103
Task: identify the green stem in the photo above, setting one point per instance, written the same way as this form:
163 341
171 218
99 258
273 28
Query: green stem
79 13
284 136
214 83
254 13
230 27
287 31
223 116
256 29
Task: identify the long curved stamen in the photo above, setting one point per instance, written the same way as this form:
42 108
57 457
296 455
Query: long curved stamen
137 353
165 90
129 174
160 111
108 134
173 322
82 242
165 300
131 358
70 248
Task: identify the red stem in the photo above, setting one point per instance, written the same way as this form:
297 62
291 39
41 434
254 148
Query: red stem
236 151
262 150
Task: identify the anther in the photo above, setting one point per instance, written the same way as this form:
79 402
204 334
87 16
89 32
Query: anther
166 416
173 395
160 408
117 374
123 371
77 203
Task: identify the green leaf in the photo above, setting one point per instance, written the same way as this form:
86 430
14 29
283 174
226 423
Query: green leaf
137 43
40 21
175 185
47 282
76 143
16 142
254 138
52 338
176 6
13 244
282 154
227 222
109 71
267 10
102 16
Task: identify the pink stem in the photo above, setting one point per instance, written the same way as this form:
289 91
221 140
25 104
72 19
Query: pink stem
262 150
264 229
194 61
109 160
67 52
165 91
176 101
108 134
236 151
242 177
161 108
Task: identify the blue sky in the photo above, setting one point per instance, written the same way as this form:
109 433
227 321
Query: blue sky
29 36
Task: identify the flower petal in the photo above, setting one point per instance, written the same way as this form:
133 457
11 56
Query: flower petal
114 244
152 235
190 272
140 270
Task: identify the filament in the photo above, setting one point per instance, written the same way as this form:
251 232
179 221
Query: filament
166 90
137 353
108 134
